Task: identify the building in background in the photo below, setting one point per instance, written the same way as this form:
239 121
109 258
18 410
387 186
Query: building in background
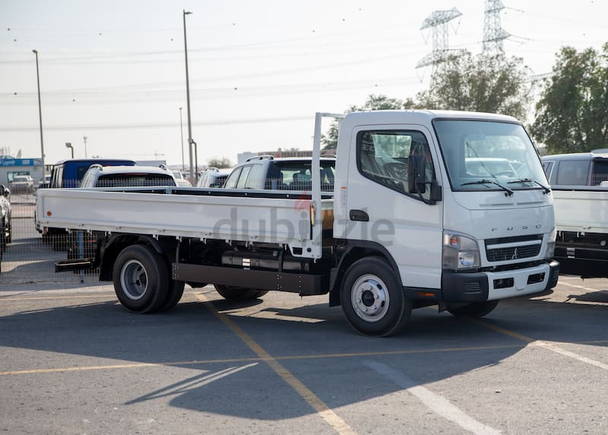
10 166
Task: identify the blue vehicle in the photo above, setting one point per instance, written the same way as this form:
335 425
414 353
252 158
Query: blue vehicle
69 173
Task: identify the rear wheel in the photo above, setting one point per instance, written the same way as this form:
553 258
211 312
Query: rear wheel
475 309
372 298
141 279
238 293
174 295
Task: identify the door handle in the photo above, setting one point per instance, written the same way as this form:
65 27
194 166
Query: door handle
358 216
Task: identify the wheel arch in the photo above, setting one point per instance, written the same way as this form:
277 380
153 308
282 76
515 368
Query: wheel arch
110 250
355 250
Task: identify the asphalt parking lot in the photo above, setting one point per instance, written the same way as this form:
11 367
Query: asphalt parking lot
74 361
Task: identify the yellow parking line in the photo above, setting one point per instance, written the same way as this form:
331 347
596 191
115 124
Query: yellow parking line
503 331
552 346
317 404
124 366
256 359
279 358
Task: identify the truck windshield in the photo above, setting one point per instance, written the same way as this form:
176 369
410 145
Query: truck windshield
482 155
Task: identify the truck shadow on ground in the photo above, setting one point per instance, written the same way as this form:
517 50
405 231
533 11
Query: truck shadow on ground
600 297
221 374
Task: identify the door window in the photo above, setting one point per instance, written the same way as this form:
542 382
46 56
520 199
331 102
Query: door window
383 157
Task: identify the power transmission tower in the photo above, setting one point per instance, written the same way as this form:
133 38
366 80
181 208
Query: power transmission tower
493 33
438 22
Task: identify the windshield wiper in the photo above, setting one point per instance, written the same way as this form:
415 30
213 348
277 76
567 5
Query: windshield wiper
529 180
508 192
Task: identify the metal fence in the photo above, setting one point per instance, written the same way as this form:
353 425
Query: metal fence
30 259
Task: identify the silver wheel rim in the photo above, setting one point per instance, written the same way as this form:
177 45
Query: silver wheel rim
370 298
134 280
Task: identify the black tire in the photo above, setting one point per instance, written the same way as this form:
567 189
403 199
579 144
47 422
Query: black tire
475 309
372 298
174 295
238 293
141 279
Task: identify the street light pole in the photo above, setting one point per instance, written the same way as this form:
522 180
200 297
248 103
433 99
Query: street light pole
181 132
85 146
190 141
40 115
69 145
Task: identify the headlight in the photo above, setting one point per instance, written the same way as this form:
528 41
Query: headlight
460 252
551 243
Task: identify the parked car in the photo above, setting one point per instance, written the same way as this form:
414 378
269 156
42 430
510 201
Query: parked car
267 172
213 177
69 173
45 183
5 218
127 176
22 184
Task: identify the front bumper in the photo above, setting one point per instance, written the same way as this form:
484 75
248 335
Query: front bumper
486 286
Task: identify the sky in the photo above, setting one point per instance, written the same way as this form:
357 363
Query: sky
114 71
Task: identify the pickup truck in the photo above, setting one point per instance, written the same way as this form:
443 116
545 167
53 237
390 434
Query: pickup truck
267 172
580 191
407 226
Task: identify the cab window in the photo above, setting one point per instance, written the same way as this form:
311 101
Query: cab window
233 179
243 177
383 156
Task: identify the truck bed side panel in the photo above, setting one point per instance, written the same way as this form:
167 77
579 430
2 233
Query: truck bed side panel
271 220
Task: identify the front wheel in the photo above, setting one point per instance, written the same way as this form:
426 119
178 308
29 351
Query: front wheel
238 293
141 279
475 309
372 298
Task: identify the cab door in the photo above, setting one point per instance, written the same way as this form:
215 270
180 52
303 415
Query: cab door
381 209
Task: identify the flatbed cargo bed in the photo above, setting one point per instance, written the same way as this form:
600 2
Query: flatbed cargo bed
233 215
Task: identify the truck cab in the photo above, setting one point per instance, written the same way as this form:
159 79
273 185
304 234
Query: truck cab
404 189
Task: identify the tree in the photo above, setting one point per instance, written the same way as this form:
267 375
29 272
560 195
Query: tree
373 102
223 162
482 83
572 114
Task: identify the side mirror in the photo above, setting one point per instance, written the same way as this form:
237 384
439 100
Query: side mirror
416 182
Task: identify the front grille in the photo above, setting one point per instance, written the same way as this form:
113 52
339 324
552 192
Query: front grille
514 248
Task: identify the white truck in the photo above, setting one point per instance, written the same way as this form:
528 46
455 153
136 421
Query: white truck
580 188
407 226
